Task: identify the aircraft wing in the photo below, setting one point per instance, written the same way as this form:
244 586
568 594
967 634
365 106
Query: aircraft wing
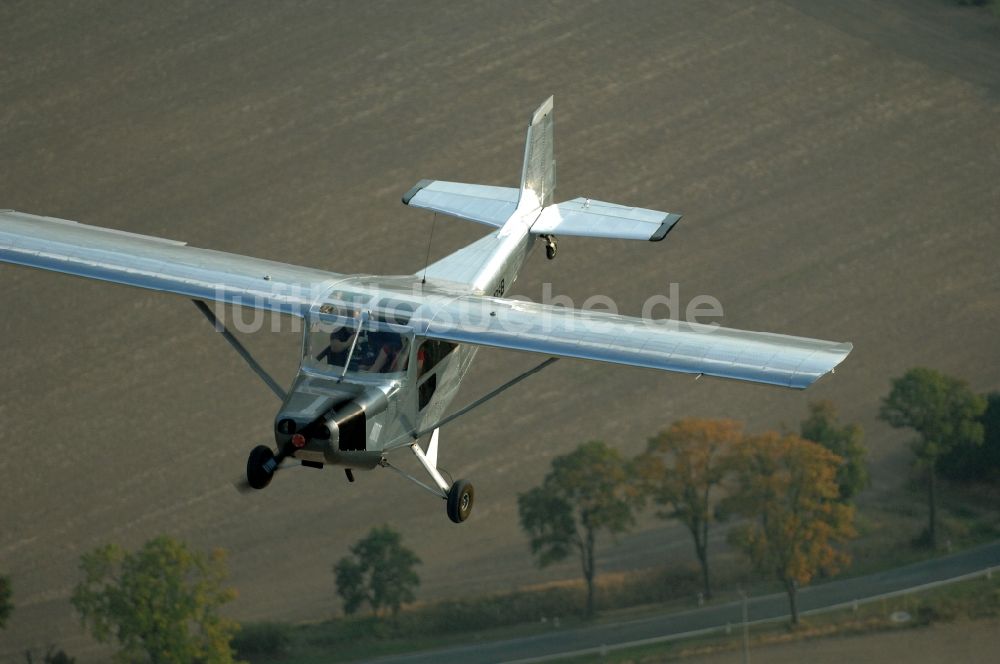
586 218
158 264
483 203
690 348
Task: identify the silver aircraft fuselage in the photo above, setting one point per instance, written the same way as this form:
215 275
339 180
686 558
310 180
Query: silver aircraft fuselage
352 418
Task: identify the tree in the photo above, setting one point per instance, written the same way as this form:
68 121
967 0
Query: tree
380 571
787 489
161 602
6 605
944 412
843 440
970 462
679 469
585 492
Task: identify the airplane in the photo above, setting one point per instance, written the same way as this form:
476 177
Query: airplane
383 356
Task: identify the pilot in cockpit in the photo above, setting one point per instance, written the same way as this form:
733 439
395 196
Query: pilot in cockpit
374 352
340 344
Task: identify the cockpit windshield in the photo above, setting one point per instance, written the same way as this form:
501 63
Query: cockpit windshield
376 349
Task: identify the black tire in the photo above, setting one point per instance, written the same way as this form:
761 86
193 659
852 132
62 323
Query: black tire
460 499
550 251
257 476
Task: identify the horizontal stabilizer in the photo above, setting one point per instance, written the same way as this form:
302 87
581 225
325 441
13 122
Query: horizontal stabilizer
586 218
476 202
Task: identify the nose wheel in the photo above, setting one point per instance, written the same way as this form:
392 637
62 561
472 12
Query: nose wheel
460 499
260 467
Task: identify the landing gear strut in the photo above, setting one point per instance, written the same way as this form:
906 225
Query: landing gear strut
458 496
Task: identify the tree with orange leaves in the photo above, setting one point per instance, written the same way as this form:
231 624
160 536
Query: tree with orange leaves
787 489
680 468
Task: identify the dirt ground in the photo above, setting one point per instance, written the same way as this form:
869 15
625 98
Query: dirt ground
838 164
968 642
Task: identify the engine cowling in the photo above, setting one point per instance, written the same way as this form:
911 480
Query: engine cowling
333 429
347 423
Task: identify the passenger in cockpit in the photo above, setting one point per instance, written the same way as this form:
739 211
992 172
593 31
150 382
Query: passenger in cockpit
390 357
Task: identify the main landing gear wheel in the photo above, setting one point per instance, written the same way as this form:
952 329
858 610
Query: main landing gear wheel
258 476
460 498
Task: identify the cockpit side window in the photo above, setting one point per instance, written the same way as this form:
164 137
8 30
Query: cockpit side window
430 353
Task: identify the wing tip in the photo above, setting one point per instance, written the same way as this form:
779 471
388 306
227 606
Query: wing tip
414 190
805 380
668 223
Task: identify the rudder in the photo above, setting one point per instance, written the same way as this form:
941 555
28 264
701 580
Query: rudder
538 176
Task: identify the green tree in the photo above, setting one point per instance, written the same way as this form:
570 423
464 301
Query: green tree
585 492
968 461
379 571
6 605
843 440
945 414
680 468
787 489
161 602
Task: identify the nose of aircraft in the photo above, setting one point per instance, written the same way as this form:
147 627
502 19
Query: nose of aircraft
347 422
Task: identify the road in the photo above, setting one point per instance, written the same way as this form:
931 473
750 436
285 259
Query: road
761 609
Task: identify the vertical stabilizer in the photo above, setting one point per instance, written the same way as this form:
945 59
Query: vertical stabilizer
538 177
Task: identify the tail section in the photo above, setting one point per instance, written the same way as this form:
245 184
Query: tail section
494 206
538 176
580 216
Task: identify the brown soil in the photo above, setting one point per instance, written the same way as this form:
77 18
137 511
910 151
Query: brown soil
838 164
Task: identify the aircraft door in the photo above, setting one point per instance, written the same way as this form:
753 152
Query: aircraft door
430 358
